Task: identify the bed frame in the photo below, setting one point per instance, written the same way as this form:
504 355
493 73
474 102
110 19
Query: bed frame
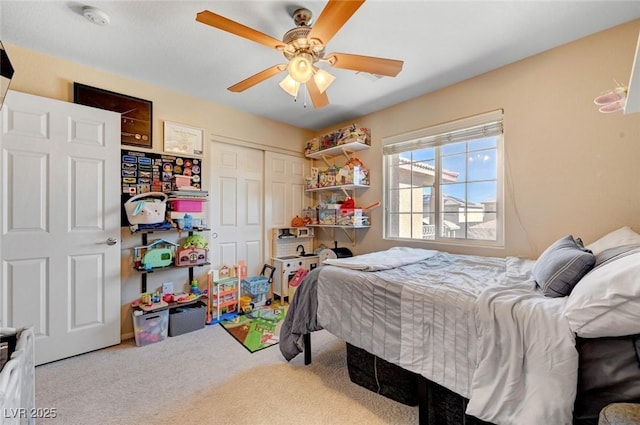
432 398
609 371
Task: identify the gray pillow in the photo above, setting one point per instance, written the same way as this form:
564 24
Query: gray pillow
561 266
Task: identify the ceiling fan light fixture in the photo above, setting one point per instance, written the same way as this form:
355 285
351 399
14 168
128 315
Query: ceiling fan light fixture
301 67
323 79
290 85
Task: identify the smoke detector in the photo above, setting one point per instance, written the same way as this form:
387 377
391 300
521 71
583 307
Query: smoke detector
95 15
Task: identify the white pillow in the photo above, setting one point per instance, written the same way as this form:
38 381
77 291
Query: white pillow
622 236
606 302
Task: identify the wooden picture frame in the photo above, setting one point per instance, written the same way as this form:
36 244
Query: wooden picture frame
180 139
136 113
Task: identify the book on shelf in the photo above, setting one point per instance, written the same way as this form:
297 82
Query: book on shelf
188 194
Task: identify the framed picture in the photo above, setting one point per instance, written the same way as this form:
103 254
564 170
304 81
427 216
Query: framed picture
6 73
135 113
182 139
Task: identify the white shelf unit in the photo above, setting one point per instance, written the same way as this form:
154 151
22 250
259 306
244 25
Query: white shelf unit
346 148
349 190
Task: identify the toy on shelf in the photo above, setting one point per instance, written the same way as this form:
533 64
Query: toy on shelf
193 251
194 289
158 254
352 134
150 302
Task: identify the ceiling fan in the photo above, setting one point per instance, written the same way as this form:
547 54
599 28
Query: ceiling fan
304 47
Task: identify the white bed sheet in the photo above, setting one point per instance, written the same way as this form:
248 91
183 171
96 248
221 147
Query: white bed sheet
527 370
441 316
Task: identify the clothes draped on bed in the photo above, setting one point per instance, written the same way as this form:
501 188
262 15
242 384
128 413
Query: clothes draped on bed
475 325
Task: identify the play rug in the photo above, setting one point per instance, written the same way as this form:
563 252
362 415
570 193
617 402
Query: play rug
258 328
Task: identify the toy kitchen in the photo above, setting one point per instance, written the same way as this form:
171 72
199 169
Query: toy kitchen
291 250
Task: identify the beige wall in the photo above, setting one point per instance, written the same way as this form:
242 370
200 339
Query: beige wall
47 76
570 169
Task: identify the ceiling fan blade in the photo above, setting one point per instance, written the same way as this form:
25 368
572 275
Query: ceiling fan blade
257 78
332 18
370 64
319 100
225 24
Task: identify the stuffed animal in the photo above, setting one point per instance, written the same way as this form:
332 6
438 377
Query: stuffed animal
195 241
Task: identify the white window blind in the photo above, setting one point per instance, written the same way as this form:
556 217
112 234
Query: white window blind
477 126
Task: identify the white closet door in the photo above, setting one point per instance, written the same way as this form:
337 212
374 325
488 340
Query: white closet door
236 206
285 189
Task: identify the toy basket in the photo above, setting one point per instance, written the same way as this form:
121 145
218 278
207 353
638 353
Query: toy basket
257 287
146 208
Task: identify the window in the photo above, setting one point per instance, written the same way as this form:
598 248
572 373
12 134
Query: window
444 183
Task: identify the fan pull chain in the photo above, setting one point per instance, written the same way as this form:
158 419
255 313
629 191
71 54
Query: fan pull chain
305 97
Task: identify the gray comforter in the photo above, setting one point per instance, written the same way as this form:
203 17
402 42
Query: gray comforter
441 317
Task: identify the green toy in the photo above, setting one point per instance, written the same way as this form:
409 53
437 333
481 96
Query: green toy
195 241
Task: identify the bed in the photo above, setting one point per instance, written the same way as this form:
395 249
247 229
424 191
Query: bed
518 341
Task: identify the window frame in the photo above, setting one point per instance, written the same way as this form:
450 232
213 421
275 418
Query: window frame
435 137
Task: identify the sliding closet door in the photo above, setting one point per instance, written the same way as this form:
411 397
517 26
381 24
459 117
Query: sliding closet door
236 206
285 189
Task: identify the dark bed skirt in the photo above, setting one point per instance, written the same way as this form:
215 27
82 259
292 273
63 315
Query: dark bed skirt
609 372
382 377
440 407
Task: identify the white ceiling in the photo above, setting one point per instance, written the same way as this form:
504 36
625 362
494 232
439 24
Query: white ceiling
440 42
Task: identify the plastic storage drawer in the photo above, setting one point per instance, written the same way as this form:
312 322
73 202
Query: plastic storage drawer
186 205
150 327
187 318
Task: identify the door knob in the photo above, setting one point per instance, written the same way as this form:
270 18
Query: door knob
112 241
214 235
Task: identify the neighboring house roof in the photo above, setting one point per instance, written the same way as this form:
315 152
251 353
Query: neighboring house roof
450 176
453 200
450 225
489 224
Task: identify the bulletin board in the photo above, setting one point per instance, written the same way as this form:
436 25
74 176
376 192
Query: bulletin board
143 172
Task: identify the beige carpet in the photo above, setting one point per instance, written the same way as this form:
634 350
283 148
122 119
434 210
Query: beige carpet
206 377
